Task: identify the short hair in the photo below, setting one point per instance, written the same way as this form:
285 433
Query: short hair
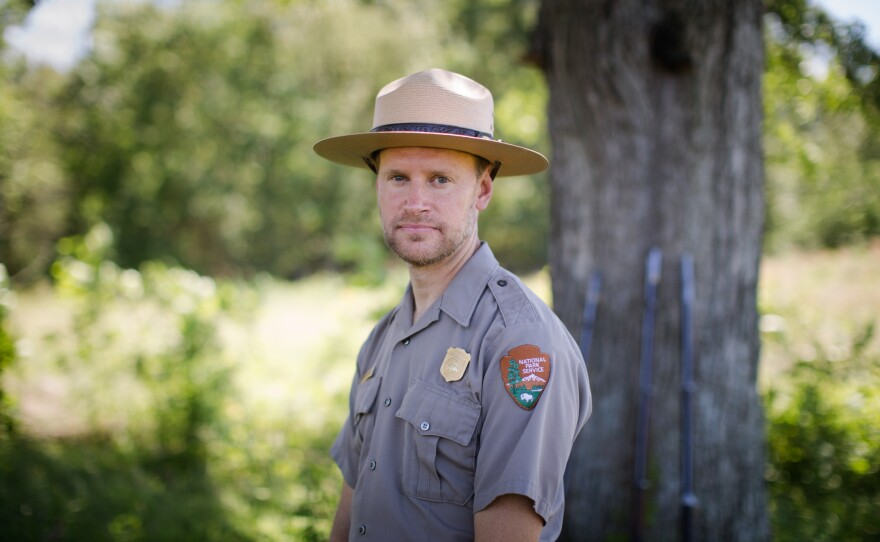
481 166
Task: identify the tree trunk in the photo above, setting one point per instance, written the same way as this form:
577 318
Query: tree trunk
655 118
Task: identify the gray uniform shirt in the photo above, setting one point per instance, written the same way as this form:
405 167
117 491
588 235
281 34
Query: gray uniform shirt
424 451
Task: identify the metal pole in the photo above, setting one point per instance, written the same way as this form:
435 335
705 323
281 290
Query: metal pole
594 289
641 482
688 387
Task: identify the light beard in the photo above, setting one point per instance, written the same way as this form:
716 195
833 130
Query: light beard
448 246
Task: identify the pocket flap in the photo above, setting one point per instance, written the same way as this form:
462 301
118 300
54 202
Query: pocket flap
365 396
431 410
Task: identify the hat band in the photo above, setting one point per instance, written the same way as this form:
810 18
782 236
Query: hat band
432 128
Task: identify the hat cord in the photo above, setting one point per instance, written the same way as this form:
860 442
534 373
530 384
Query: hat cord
432 128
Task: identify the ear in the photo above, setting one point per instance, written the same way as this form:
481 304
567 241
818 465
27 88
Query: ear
484 191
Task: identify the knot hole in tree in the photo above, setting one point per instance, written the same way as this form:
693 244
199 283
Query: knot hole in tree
669 43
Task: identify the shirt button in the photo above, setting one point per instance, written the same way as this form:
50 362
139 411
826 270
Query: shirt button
502 283
373 465
425 426
362 529
388 401
406 342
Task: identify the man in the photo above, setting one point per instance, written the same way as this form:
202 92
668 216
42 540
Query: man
467 396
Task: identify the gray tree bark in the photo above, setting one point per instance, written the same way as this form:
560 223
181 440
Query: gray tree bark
655 119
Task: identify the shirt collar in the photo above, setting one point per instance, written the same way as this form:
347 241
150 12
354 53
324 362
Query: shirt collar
460 298
462 295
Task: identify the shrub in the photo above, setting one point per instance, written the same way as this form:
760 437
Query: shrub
174 451
824 448
7 355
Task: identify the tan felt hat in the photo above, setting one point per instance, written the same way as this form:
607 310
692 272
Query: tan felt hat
434 108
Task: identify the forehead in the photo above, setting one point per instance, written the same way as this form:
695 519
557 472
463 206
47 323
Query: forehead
413 156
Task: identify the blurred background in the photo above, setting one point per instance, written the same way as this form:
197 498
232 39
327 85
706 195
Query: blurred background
184 284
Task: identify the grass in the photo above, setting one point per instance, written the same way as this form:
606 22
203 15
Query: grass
817 305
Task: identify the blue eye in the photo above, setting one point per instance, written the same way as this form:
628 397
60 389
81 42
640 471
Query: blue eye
441 180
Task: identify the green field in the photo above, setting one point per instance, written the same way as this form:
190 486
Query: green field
816 304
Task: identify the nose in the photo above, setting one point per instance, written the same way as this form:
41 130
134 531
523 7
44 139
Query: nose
417 197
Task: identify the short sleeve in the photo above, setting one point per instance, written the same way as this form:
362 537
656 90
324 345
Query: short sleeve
529 426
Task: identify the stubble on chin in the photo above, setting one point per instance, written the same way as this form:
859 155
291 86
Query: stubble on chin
424 256
412 255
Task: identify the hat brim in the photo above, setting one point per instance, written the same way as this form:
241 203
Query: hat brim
350 150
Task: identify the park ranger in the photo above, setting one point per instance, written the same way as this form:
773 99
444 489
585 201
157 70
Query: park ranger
467 397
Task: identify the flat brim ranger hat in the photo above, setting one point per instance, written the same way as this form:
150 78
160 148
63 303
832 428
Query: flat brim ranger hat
438 109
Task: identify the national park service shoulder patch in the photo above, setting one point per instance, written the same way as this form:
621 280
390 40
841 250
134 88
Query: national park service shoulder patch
525 371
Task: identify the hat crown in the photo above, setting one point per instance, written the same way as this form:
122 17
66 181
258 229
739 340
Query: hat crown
438 97
434 109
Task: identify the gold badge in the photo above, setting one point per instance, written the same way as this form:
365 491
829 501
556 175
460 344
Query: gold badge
367 375
454 364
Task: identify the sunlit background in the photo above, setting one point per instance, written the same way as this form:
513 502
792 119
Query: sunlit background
184 285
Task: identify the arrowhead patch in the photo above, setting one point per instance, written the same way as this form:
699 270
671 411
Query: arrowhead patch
525 371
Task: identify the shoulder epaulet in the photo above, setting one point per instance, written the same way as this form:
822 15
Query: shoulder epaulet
513 299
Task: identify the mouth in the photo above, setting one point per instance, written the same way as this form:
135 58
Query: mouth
415 227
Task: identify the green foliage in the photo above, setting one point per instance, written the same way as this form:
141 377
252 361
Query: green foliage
91 489
188 131
798 24
173 452
33 203
824 448
33 194
279 484
517 222
276 478
822 125
13 12
8 425
200 122
181 370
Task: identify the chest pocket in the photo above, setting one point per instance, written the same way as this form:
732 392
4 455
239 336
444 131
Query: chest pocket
439 453
364 405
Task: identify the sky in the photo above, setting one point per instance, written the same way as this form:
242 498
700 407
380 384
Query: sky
56 32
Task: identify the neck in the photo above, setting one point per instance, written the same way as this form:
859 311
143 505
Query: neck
429 282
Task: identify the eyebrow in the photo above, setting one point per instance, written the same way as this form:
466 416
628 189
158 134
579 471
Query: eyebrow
430 174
